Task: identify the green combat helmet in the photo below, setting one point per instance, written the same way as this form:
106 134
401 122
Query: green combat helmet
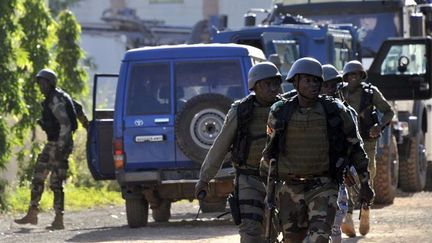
354 66
49 75
305 65
330 73
262 71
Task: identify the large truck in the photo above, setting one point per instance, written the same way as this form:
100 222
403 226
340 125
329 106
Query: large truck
394 41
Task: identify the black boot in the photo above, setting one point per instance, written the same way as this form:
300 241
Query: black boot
57 224
30 218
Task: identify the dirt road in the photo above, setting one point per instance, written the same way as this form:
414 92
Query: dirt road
409 219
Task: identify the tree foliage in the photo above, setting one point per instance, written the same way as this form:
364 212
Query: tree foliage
72 76
11 57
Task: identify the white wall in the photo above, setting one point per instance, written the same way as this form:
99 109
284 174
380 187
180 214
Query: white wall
179 14
105 49
90 11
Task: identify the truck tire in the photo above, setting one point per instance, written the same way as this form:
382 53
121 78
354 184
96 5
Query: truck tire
412 172
163 212
208 206
136 212
387 171
198 124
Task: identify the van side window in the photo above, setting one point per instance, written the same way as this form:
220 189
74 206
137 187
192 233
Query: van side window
149 89
199 77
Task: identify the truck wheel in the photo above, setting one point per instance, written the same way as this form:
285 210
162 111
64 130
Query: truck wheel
136 212
163 212
387 171
199 122
412 172
213 206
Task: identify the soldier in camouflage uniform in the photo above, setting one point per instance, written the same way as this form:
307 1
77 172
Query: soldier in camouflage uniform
59 122
367 100
331 81
243 133
311 137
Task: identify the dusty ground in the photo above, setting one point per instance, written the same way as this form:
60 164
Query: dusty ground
409 219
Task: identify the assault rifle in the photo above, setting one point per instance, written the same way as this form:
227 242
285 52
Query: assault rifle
270 199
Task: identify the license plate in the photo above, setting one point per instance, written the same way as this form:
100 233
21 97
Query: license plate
149 138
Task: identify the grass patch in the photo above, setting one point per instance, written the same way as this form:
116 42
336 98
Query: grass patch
76 198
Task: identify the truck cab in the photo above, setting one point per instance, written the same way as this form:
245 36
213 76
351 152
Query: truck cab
153 132
402 72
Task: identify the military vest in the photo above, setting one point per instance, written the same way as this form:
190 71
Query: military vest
50 123
251 132
306 144
337 144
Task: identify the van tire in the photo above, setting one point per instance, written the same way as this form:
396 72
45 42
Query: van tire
387 167
163 212
198 124
136 212
412 172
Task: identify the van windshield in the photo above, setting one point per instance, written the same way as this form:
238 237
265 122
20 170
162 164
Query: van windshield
215 76
149 89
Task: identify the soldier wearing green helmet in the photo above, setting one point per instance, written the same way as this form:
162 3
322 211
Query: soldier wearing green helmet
59 121
244 135
308 135
367 100
332 83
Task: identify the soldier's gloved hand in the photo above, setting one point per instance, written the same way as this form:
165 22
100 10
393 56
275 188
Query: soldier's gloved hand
375 131
366 193
201 189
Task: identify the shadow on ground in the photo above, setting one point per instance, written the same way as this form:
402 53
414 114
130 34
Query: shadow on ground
178 230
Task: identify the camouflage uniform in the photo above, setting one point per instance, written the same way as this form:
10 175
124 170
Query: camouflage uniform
307 151
251 189
54 157
378 101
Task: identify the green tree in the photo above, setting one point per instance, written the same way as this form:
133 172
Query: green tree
12 57
69 55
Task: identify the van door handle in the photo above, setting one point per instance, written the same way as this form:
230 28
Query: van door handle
161 120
